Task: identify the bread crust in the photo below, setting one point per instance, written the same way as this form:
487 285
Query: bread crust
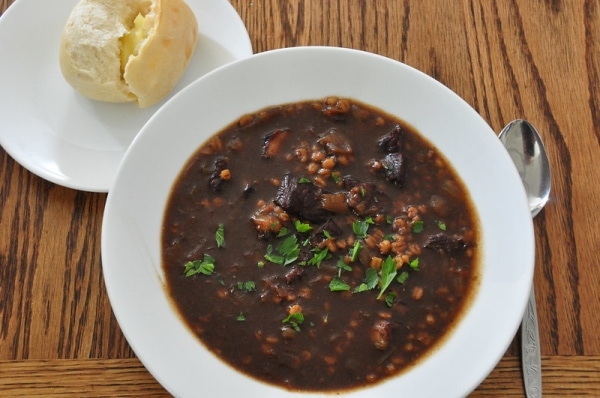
91 45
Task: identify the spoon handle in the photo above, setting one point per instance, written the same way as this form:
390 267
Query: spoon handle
530 340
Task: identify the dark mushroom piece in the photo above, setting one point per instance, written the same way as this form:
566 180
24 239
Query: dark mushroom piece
272 143
391 142
445 243
335 143
216 180
394 168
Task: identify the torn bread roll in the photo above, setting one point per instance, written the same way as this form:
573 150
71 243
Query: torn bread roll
127 50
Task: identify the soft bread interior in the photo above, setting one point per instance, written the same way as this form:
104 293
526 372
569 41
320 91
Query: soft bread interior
133 40
117 50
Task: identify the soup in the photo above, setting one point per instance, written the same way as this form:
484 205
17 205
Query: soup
320 246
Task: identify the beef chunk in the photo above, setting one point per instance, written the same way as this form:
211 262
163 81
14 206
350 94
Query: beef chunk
394 168
215 181
391 142
301 199
364 199
445 243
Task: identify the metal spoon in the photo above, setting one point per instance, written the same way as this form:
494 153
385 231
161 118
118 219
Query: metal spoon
525 147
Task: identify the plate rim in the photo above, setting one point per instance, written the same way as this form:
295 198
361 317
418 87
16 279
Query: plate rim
41 154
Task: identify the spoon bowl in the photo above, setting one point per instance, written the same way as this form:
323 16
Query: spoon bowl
528 153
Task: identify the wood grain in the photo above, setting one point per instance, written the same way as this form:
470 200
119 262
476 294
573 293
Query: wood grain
563 376
533 59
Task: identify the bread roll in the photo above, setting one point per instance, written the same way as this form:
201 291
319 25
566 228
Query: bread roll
127 50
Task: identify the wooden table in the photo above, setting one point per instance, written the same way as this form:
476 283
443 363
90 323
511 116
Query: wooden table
532 59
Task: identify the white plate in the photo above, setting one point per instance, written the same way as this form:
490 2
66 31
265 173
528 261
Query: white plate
56 133
131 252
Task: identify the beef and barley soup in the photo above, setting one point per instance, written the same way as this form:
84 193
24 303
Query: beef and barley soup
321 245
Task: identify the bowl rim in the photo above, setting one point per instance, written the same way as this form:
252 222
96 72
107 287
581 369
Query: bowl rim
137 174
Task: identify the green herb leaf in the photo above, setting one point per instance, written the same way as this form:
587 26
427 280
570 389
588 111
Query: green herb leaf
338 285
319 256
402 277
370 282
248 286
360 228
417 227
371 278
388 274
337 178
414 263
390 237
327 234
241 317
390 298
220 235
261 264
304 180
287 252
302 227
205 266
441 225
343 266
354 251
361 288
273 257
282 232
295 320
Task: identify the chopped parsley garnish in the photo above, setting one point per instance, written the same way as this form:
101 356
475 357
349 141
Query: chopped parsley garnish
370 282
354 251
390 298
319 256
343 266
388 274
338 285
248 286
402 277
441 225
360 228
302 227
414 263
205 266
304 180
282 232
286 253
220 235
241 317
295 320
417 227
337 178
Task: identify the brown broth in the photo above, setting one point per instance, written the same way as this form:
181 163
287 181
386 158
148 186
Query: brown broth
347 339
